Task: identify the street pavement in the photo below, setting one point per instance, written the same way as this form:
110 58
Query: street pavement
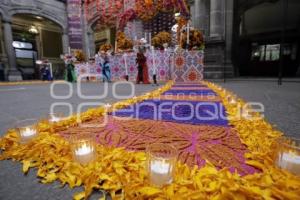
282 109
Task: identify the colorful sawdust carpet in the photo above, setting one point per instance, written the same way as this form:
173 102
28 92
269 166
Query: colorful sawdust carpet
197 128
197 119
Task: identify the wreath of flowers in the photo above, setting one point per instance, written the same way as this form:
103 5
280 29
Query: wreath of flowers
79 55
196 41
123 43
160 39
105 47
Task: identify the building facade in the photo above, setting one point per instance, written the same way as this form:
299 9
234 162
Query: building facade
243 38
49 18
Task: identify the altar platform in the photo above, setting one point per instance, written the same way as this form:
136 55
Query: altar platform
184 66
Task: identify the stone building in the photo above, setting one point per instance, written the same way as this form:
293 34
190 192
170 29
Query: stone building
243 38
49 38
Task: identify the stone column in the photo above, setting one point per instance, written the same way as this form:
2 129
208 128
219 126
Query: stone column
228 28
91 43
200 15
65 40
216 19
229 4
13 73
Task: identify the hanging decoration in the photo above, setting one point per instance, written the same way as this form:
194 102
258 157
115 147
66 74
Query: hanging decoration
116 13
148 9
106 12
74 24
127 16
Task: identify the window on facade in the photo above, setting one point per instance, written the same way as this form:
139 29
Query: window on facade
258 52
269 52
21 45
272 52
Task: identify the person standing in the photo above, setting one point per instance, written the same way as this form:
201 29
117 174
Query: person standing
2 77
106 68
70 74
141 61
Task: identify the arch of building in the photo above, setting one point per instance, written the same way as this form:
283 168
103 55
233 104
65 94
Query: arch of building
51 9
90 43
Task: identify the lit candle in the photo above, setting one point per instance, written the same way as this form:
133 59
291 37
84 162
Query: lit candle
28 132
232 101
290 161
160 172
84 150
84 153
54 119
107 105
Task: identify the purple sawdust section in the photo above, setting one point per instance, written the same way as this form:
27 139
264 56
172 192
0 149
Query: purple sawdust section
190 92
185 85
187 112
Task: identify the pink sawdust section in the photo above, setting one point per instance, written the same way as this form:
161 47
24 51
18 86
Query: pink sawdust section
195 144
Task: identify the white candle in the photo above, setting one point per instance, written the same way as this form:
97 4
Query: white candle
28 132
125 62
153 61
160 172
54 119
160 167
291 162
84 154
150 39
84 150
69 50
188 33
232 101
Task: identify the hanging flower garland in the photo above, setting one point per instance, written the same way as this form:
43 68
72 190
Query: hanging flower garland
145 10
113 13
125 17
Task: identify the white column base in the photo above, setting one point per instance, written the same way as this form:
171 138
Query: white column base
14 75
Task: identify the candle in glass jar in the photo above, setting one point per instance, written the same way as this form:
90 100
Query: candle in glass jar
84 149
54 119
232 101
28 132
160 172
290 161
84 153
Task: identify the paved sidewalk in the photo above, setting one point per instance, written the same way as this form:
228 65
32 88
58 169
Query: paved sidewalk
282 107
282 102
